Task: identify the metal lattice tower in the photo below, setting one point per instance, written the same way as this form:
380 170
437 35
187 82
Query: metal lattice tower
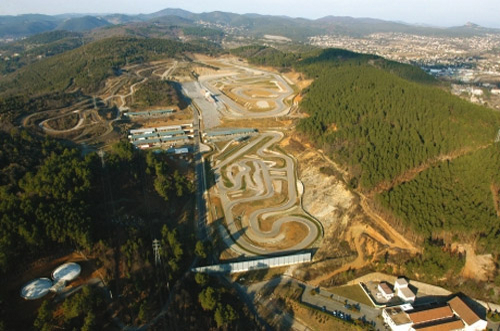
498 136
101 154
157 250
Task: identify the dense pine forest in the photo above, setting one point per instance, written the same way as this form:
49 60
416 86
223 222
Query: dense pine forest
53 196
54 199
430 157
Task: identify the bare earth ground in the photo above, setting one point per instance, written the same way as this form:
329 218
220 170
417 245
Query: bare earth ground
348 217
331 202
479 267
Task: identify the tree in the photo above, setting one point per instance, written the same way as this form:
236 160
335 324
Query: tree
143 312
89 324
201 279
171 249
44 316
224 315
208 298
200 250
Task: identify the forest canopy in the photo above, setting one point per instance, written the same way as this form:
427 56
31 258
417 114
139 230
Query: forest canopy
51 196
428 156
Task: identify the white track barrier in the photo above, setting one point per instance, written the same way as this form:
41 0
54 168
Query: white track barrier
272 262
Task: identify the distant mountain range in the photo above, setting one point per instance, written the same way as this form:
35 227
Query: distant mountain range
254 25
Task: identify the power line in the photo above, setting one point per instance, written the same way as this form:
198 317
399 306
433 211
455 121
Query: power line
157 251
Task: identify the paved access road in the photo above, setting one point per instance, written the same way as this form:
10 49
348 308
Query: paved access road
322 300
332 302
263 176
209 110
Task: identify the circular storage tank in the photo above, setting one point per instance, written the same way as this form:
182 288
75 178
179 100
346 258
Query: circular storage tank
66 272
36 288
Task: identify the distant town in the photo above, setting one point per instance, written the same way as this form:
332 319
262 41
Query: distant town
472 64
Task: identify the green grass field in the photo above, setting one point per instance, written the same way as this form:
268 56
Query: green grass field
353 292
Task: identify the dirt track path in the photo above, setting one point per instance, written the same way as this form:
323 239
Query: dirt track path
397 240
355 232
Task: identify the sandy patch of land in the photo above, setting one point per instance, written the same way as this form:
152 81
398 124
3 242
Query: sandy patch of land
262 104
478 267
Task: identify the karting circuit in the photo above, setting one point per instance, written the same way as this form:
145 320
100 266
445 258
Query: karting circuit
256 185
259 192
244 92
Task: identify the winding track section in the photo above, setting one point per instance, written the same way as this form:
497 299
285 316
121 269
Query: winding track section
263 176
236 111
88 115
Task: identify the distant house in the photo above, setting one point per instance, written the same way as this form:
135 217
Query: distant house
403 291
385 290
455 315
397 318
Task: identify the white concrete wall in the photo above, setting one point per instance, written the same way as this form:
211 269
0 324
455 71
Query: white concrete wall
272 262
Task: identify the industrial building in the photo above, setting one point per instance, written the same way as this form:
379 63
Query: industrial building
454 315
170 136
226 134
150 113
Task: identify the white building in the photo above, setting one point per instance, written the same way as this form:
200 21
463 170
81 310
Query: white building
397 319
469 317
385 290
403 291
455 315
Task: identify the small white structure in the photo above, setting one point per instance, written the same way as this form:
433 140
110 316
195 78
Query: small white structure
183 150
385 290
403 291
477 92
66 272
36 288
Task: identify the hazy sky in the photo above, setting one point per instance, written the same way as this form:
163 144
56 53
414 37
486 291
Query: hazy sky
436 12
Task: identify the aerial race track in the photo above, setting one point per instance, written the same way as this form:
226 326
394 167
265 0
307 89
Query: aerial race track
256 183
255 175
248 92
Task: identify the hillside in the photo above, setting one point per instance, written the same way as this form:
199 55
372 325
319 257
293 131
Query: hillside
26 25
416 148
85 23
86 67
39 46
248 25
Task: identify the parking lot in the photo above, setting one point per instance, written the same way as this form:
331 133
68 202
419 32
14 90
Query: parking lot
341 307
